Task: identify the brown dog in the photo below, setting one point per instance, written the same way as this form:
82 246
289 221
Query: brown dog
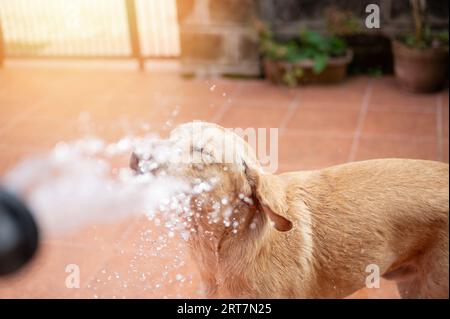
312 234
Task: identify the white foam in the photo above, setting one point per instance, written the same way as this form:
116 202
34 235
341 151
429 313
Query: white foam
74 184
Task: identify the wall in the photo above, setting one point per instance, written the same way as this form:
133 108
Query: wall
217 37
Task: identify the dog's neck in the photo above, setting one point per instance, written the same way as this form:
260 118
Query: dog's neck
247 257
234 264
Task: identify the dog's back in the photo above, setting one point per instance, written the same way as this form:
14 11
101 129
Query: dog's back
392 213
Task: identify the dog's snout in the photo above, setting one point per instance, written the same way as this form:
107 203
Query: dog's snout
144 165
134 162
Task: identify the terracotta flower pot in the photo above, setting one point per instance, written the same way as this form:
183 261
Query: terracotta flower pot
334 72
420 70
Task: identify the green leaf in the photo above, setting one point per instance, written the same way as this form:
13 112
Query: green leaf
337 46
320 62
311 45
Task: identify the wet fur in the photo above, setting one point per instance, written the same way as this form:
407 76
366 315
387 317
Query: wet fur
389 212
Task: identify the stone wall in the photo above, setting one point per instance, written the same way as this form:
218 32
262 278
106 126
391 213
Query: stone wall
217 35
287 16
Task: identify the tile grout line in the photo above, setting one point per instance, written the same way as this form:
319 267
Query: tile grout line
360 123
439 129
292 108
218 115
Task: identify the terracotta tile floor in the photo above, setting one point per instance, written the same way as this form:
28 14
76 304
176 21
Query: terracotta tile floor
319 126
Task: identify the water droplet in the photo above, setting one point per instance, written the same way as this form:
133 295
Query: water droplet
179 277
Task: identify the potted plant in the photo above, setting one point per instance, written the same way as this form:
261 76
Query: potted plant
310 58
421 59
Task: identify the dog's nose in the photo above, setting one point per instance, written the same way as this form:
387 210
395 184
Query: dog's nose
134 163
144 165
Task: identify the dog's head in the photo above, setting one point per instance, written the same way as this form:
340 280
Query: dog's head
231 193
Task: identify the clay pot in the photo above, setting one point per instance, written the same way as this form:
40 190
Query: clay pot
334 72
420 70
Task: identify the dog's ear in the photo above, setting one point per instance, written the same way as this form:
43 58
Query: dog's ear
271 197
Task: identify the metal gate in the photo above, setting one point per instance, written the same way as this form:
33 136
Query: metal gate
80 29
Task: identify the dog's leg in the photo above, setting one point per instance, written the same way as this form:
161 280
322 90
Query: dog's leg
434 267
431 278
421 288
407 279
410 289
404 273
